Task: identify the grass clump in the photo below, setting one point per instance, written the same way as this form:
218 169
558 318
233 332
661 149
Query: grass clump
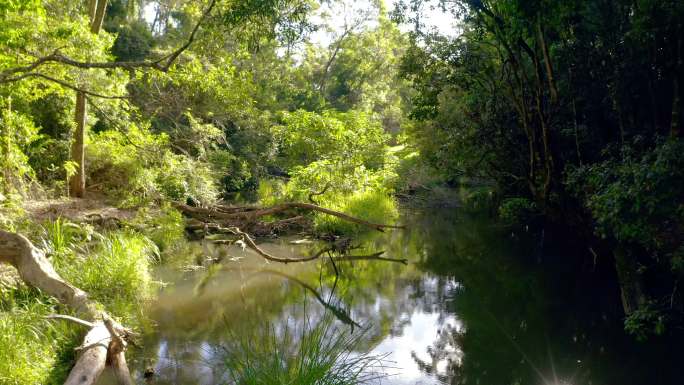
33 350
318 354
165 227
376 206
114 270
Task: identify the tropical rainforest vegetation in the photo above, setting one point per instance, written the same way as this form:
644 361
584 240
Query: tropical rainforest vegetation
128 127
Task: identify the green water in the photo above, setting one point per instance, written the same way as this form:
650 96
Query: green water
475 305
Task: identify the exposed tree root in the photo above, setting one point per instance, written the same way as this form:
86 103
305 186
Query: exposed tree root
103 344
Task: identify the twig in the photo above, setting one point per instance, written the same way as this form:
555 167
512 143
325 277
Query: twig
64 317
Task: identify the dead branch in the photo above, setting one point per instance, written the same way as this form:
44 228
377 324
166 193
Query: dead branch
116 353
64 317
371 257
249 242
209 214
316 193
339 313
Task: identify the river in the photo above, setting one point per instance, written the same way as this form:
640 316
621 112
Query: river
476 304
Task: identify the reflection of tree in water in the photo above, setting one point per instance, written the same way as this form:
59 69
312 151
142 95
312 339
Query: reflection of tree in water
445 354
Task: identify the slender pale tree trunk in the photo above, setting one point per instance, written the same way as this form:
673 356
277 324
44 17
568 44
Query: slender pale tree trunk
96 11
77 181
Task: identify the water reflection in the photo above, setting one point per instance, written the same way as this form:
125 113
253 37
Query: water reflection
472 307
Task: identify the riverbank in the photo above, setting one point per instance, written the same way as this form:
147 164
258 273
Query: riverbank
105 251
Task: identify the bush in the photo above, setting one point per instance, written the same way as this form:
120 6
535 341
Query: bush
636 199
517 210
138 166
374 205
17 133
165 227
645 322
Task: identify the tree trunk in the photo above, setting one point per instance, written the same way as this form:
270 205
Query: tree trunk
96 11
675 129
77 181
553 90
98 17
103 344
631 287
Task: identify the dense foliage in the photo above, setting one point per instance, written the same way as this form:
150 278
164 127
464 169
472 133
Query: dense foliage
574 108
564 114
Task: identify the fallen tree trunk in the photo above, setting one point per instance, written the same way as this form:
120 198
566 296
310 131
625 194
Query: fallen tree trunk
92 356
35 269
236 216
104 341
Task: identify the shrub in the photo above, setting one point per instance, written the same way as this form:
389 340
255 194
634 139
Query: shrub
17 132
635 199
517 210
138 166
165 227
645 322
374 205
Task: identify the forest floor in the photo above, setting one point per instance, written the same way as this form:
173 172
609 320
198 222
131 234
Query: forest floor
85 209
93 208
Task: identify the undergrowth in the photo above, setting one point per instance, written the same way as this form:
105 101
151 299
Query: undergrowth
112 267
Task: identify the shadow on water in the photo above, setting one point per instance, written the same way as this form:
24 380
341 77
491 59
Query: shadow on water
473 306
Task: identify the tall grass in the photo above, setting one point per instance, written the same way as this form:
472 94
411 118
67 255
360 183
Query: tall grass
33 350
112 267
114 270
319 354
374 205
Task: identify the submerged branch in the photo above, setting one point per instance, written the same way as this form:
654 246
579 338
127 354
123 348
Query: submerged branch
371 257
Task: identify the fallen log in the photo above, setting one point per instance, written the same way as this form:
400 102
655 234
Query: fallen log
37 271
236 217
92 356
103 342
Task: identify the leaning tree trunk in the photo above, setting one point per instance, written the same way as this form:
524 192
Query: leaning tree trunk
77 181
96 12
103 344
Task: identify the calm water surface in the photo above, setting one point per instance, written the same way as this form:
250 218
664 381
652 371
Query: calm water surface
475 305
